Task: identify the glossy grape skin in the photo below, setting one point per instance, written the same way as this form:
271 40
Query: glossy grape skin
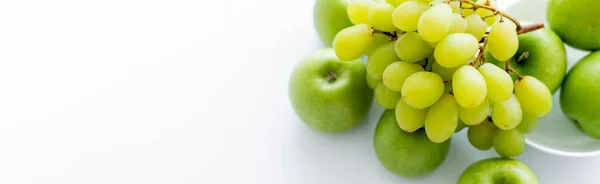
507 114
476 115
352 42
358 11
380 17
456 49
469 87
409 119
528 123
411 48
386 97
482 12
435 22
445 73
459 24
395 74
499 83
422 89
406 16
441 119
372 82
481 136
509 143
383 56
534 96
503 41
476 26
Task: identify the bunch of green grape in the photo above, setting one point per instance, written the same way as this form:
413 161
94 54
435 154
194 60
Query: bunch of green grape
423 62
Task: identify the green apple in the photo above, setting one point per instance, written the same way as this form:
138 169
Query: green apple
498 170
406 154
328 94
546 60
329 18
576 22
579 94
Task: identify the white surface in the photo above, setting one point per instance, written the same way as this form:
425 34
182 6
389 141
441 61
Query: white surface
132 91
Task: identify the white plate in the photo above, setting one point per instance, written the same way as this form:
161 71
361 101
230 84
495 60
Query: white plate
555 133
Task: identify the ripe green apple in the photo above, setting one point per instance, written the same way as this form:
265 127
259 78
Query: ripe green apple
546 58
328 94
406 154
498 170
576 22
329 17
578 95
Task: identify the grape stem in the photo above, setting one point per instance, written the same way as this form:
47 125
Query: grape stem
529 28
480 55
475 6
392 35
448 81
489 16
508 69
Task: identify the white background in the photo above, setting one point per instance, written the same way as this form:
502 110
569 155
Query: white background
183 91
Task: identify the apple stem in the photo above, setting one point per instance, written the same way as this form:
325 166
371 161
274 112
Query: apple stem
523 56
331 77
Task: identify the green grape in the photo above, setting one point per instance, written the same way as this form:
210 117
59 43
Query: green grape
422 89
455 5
432 44
432 2
406 16
395 74
352 42
409 119
441 119
467 9
378 40
358 11
372 82
469 87
459 24
386 97
395 2
383 56
380 17
460 126
476 26
482 12
507 114
528 123
445 73
509 143
456 49
499 83
534 96
411 48
476 115
503 41
481 136
435 22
